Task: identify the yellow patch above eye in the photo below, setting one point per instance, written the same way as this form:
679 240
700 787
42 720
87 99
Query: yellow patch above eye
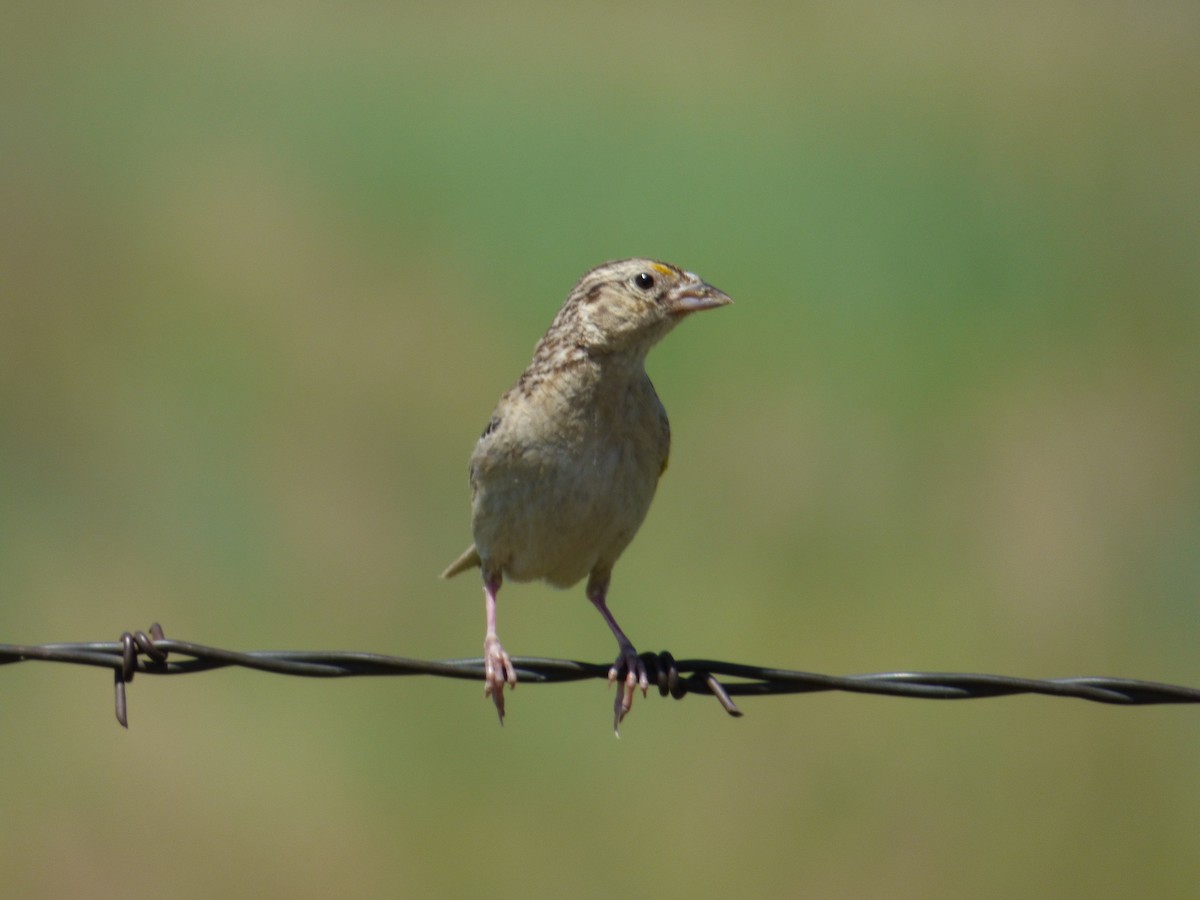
661 270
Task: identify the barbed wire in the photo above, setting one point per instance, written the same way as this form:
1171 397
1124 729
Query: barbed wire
155 654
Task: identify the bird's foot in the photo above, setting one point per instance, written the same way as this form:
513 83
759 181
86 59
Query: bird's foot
629 674
497 672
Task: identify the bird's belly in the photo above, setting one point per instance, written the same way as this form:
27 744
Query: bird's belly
561 518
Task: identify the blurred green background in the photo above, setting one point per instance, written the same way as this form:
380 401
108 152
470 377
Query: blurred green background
264 271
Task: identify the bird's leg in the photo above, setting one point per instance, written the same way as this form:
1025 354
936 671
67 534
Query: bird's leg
497 667
628 663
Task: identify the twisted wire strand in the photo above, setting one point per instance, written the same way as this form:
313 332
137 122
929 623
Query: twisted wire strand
153 653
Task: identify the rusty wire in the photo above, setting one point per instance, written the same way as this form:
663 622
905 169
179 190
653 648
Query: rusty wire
155 654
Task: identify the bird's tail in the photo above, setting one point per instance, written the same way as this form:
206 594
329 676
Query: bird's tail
469 560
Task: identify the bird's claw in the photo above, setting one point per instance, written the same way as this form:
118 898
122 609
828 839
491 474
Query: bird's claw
497 672
629 674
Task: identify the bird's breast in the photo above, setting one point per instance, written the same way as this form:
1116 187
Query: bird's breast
555 497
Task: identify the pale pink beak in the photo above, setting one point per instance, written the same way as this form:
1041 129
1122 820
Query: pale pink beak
692 295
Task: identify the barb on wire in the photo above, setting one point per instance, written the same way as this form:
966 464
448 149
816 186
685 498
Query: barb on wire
156 654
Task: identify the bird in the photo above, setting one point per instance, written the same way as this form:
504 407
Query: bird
566 468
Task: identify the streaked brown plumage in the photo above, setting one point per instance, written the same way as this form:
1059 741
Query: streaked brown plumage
566 468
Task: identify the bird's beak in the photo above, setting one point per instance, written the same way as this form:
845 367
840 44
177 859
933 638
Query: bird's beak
692 295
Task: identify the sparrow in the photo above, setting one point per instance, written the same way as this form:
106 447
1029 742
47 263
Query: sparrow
565 470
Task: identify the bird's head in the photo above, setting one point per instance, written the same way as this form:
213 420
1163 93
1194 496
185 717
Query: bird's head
628 305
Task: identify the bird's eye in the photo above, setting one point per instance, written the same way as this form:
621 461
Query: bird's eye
644 280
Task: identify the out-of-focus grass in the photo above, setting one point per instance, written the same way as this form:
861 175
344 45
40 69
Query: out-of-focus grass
264 272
